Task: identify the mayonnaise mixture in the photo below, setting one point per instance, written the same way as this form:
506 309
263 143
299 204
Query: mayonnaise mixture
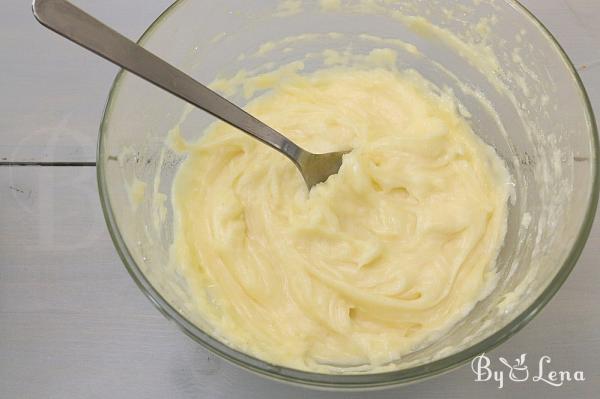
379 260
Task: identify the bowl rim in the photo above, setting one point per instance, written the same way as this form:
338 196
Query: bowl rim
354 381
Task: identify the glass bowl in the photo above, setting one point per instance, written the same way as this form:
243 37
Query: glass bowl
515 85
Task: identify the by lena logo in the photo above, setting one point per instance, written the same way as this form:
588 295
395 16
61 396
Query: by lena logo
518 371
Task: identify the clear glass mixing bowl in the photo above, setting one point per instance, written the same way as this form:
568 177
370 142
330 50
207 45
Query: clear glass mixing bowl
532 109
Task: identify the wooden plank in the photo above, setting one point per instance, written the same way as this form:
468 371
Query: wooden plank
73 323
53 93
573 24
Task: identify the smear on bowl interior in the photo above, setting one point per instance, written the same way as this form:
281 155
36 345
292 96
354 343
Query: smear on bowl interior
376 262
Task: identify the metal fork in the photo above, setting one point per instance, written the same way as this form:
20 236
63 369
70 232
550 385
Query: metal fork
74 24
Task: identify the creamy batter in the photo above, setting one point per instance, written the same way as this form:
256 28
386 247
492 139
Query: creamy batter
376 262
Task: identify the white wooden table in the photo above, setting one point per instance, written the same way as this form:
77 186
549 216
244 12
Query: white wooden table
72 322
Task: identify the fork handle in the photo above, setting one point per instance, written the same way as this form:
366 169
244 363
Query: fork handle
76 25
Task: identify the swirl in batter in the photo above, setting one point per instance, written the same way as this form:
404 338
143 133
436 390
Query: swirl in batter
374 263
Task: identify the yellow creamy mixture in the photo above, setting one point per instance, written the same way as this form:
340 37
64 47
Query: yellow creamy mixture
376 262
